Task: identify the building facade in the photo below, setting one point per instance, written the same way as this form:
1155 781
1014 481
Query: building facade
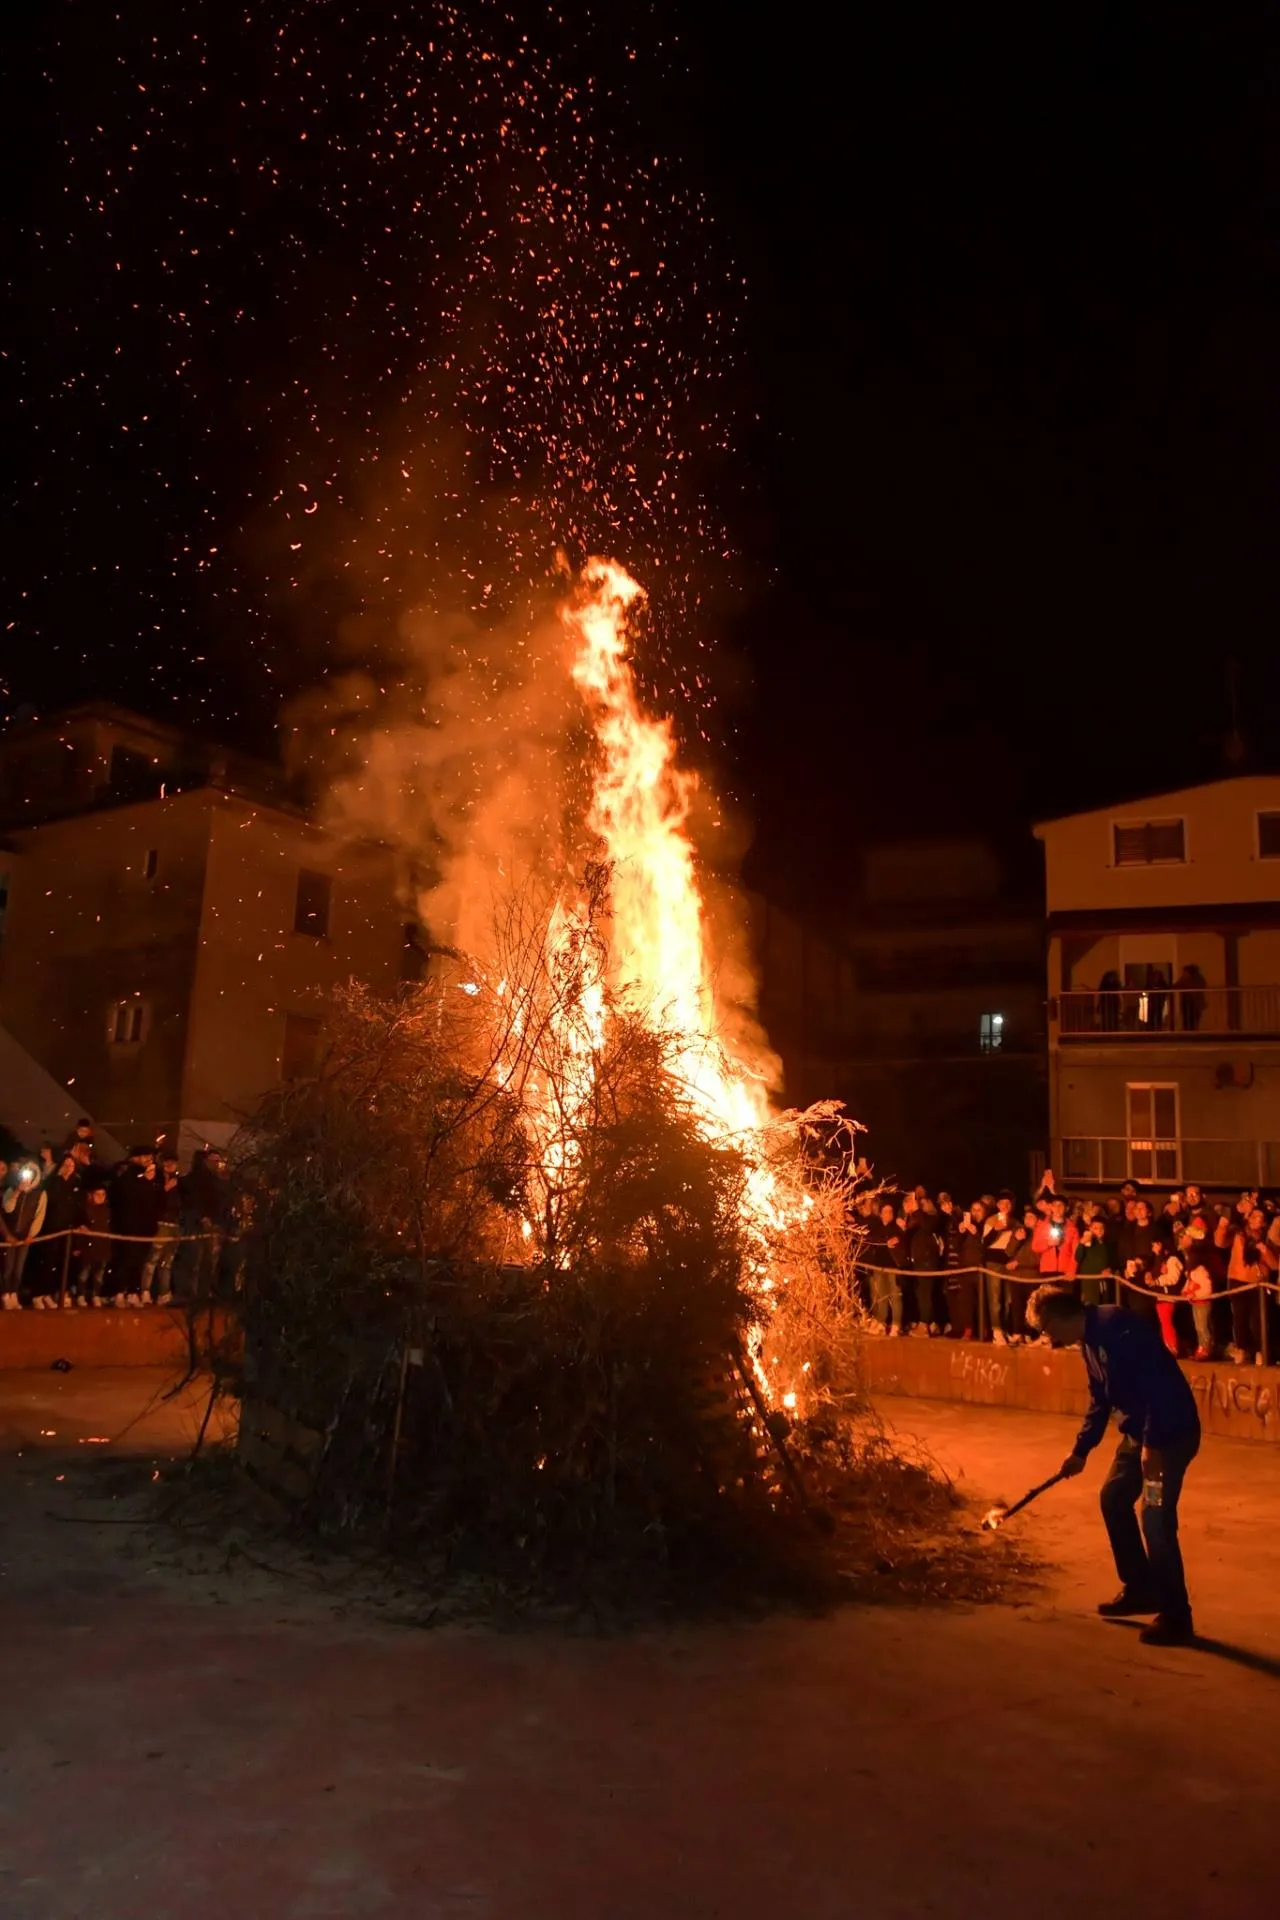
1164 987
173 927
920 1004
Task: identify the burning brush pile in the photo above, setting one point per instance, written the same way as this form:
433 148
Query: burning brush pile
554 1296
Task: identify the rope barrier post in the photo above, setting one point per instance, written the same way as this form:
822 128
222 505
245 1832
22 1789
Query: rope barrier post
1263 1334
982 1303
66 1268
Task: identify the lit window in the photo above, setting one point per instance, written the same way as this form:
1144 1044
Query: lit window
1150 843
990 1031
127 1022
1269 836
311 909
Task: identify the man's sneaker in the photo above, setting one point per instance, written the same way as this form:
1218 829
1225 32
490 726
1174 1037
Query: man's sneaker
1203 1353
895 1331
163 1299
1126 1604
997 1335
39 1302
1164 1632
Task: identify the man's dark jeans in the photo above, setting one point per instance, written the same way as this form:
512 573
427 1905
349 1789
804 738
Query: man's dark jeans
1153 1568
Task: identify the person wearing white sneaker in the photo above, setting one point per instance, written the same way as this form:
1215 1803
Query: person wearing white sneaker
22 1209
880 1250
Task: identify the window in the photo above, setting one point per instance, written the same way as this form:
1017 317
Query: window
311 910
301 1042
1149 843
1269 836
990 1031
150 861
127 1022
1155 1150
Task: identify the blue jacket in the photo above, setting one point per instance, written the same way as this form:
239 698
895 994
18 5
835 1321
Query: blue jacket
1132 1371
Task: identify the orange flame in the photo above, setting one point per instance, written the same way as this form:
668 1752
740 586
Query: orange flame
640 808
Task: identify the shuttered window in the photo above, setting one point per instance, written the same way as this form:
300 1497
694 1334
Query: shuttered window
301 1044
1148 843
311 909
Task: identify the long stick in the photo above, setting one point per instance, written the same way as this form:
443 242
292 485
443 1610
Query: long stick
789 1467
393 1455
998 1515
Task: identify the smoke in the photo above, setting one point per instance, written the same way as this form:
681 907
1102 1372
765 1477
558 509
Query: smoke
465 755
472 755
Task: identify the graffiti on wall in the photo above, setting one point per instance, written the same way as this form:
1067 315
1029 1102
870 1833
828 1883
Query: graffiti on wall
1239 1396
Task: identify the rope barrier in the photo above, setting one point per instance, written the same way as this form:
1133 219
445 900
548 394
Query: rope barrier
96 1234
1062 1279
92 1247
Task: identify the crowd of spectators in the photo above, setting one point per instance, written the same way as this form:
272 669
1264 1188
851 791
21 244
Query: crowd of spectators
77 1233
1205 1271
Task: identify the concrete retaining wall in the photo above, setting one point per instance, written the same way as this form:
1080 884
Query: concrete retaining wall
1240 1403
128 1337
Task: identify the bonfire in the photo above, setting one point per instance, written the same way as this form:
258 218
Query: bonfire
544 1275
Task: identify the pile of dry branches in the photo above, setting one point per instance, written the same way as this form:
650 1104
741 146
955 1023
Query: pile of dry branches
516 1299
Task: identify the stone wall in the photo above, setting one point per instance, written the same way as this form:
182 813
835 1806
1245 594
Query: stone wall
1239 1403
150 1337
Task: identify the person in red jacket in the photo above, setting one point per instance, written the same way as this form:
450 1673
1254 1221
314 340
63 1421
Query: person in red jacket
1055 1241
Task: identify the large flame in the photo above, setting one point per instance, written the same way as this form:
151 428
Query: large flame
641 941
640 808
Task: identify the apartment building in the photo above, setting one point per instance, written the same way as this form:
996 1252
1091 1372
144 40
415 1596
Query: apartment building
173 926
1164 987
919 1001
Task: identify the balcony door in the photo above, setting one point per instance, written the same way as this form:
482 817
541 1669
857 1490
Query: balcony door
1154 1134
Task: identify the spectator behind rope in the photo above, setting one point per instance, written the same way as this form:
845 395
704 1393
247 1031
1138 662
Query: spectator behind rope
21 1218
922 1251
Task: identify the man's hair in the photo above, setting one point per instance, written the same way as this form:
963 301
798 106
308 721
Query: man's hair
1050 1306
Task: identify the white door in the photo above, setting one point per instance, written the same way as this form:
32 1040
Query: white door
1155 1147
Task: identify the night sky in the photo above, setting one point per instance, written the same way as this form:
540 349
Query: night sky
926 371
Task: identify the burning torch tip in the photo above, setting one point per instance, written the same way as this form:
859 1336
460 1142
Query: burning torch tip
995 1519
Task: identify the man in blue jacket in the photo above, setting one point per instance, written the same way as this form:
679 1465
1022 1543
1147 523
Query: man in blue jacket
1132 1371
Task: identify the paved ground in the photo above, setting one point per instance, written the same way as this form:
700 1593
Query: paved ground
183 1750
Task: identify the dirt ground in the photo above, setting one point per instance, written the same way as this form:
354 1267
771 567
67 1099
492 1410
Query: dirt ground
218 1740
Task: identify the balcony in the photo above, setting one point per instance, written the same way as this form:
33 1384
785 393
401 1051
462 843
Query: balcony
1169 1163
1205 1013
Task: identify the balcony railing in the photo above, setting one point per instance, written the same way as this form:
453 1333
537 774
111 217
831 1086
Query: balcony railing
1127 1013
1170 1163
